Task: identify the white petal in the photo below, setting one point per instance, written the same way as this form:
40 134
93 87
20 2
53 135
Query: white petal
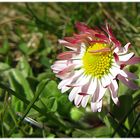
64 89
64 83
111 77
96 106
92 86
83 79
85 100
114 71
99 93
115 64
113 89
78 99
102 91
70 79
73 93
123 73
126 57
115 85
105 81
96 93
78 63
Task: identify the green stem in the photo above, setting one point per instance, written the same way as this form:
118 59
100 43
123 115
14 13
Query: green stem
134 123
123 120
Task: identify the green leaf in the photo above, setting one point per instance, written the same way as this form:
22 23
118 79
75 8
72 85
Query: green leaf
20 84
45 61
24 67
52 104
23 48
47 100
45 75
5 48
126 102
64 105
4 66
51 90
1 107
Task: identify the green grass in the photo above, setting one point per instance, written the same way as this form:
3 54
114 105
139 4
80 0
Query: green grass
30 103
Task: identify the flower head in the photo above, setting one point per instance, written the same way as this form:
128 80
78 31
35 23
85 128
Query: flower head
95 63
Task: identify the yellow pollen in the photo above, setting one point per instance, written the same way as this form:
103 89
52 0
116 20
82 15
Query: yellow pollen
97 63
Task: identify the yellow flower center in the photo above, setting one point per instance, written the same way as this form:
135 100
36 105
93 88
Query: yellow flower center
97 62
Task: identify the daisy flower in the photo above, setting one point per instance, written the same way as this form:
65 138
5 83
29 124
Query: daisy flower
95 63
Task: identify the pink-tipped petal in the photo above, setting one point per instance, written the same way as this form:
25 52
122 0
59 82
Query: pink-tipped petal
81 27
128 83
66 55
131 75
65 70
126 57
103 37
68 45
101 50
116 42
133 60
64 76
126 47
98 41
116 57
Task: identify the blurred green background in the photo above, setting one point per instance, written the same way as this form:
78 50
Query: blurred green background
30 103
